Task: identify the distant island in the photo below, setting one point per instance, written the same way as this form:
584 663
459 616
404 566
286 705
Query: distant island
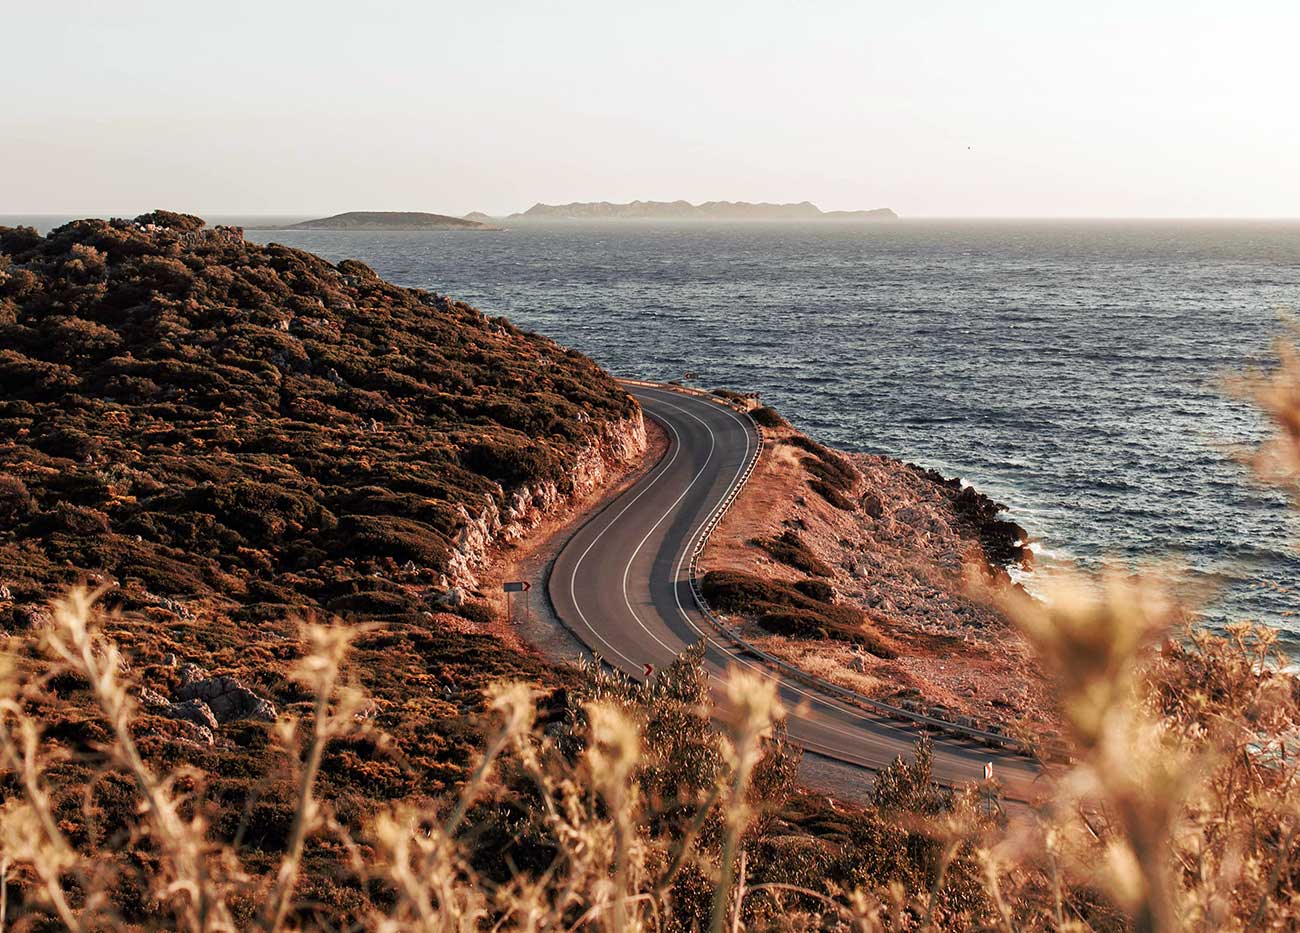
389 220
714 211
683 210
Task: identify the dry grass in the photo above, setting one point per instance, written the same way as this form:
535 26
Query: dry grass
1180 812
628 812
592 790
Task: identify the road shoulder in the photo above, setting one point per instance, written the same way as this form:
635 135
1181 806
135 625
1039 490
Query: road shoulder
533 621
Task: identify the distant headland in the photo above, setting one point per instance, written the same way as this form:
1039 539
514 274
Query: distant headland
804 211
594 211
388 220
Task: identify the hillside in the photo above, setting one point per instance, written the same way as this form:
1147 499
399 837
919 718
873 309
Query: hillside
804 211
325 423
231 437
389 220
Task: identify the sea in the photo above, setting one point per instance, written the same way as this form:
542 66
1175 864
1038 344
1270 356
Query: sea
1080 372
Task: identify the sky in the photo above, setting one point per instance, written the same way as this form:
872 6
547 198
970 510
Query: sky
992 109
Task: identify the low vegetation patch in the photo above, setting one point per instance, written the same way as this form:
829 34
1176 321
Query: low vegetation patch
816 589
728 394
832 495
769 417
791 550
831 476
788 609
609 792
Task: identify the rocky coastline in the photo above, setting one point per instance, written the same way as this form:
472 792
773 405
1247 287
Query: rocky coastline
1005 543
889 550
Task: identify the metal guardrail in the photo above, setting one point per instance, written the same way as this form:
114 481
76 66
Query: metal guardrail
869 704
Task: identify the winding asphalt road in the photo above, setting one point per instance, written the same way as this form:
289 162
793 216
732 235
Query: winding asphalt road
622 584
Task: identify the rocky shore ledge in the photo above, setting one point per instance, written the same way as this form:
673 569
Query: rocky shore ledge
854 568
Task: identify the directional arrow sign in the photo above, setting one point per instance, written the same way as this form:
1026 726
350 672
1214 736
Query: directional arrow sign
521 586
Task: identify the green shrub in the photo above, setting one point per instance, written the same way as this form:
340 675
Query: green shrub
186 223
75 520
803 442
510 464
374 603
728 394
816 589
402 539
833 477
16 502
833 471
795 623
477 610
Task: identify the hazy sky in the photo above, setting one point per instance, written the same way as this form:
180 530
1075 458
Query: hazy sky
987 108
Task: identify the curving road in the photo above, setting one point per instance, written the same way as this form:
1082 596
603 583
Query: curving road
621 583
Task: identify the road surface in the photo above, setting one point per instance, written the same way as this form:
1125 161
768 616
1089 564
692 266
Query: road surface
621 584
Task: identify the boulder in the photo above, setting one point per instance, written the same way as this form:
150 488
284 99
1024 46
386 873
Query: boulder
34 618
195 712
453 598
228 699
191 672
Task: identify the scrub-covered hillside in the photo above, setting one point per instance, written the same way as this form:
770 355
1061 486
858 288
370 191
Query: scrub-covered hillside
196 416
229 438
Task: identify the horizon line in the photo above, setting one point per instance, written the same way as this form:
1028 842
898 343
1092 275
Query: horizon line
102 215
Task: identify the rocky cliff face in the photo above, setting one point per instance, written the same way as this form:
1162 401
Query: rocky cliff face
524 507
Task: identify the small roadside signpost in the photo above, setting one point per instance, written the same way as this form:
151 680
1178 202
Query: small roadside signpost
516 586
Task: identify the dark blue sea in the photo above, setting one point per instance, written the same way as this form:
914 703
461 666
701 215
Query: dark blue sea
1074 370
